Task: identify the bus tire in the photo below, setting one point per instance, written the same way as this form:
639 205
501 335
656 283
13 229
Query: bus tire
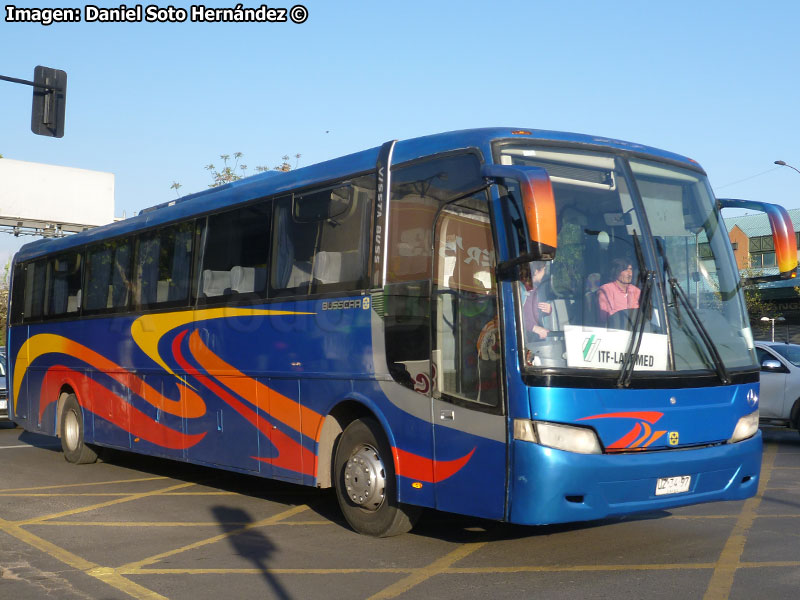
366 486
72 439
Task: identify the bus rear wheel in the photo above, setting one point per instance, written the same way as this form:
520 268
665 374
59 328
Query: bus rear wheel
366 487
72 439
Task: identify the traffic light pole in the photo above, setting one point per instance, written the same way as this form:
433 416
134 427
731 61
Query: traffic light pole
49 100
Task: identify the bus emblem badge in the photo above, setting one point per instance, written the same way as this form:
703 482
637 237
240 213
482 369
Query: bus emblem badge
673 438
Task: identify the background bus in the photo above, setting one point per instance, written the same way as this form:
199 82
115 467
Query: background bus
359 324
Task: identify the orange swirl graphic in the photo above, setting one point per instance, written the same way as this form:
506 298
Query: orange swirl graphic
110 407
292 455
287 411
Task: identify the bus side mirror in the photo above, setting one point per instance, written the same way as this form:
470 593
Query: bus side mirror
538 208
49 101
783 236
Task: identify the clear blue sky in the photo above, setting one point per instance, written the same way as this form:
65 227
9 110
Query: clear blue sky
154 103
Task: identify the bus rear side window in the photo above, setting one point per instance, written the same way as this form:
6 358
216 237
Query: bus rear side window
64 291
35 284
18 295
164 265
108 278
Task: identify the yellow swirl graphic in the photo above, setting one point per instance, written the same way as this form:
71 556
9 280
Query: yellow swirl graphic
148 330
190 405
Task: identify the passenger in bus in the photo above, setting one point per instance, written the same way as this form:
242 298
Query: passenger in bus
619 293
531 277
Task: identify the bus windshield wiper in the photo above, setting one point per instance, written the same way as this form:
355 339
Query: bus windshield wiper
680 297
637 331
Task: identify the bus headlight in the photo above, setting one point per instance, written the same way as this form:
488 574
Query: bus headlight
745 428
557 435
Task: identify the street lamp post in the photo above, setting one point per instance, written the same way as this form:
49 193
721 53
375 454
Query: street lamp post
785 164
772 320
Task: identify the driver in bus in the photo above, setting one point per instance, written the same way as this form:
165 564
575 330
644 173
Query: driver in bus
531 277
619 293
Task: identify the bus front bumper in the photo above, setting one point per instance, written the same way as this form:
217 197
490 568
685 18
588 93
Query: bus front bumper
554 486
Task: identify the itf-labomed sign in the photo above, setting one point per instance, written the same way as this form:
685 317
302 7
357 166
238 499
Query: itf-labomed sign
600 348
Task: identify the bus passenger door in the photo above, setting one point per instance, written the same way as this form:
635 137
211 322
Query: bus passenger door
469 427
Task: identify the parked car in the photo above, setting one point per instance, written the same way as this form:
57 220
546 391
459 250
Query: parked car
3 390
780 384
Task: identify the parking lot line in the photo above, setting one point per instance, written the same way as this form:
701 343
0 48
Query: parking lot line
16 446
71 485
132 568
137 524
105 575
76 511
719 588
62 495
425 573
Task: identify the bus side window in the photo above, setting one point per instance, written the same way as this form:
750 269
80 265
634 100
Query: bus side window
235 256
321 240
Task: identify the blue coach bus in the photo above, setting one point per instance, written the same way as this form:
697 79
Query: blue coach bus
363 324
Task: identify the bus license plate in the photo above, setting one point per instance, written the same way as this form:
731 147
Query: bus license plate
673 485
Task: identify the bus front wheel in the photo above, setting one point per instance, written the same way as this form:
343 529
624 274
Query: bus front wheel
72 439
366 486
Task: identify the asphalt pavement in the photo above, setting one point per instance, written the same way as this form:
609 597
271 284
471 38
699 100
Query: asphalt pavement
139 527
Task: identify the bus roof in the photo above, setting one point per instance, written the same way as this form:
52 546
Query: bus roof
273 182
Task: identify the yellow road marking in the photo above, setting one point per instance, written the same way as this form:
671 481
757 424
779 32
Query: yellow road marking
134 566
71 485
774 563
105 575
421 575
76 511
254 571
719 587
170 523
67 495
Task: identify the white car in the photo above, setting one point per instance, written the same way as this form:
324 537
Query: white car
3 390
780 384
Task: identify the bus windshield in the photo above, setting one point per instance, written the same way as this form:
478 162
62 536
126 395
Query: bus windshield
644 278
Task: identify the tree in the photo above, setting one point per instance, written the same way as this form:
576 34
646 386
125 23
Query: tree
235 172
285 166
228 173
